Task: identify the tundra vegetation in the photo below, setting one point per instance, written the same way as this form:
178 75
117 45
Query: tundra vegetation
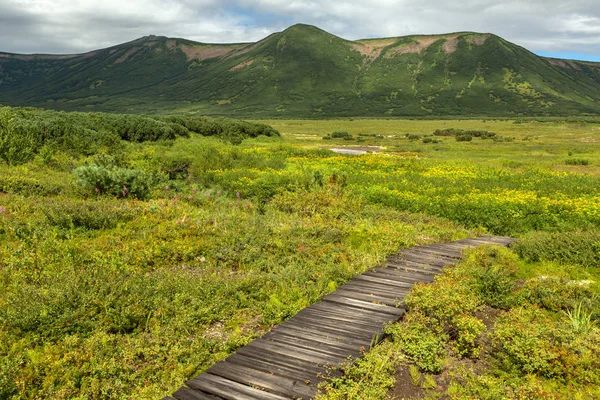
135 251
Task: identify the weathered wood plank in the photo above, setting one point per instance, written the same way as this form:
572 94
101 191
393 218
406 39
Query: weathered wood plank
190 394
315 345
449 248
337 330
403 262
394 276
382 281
273 368
283 360
368 297
376 291
356 329
341 337
334 319
366 305
278 385
392 290
318 313
320 341
404 267
411 275
295 352
445 254
230 390
433 261
357 314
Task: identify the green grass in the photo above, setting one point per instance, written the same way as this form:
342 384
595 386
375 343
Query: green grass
105 295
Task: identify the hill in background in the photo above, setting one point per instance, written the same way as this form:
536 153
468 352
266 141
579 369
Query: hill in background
307 72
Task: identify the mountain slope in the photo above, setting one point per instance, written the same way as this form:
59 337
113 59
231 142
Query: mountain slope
307 72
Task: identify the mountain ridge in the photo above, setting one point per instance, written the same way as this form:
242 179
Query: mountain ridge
153 37
305 71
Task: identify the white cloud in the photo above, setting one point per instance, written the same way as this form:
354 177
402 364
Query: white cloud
81 25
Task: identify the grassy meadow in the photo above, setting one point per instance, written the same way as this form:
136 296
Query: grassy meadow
130 263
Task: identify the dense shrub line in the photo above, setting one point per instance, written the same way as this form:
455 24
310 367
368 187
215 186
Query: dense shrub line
24 131
574 247
462 132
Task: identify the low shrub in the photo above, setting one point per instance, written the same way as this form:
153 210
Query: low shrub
574 247
446 306
529 341
17 145
341 135
27 186
468 328
447 132
449 300
491 273
424 345
86 214
113 181
461 132
553 294
495 286
577 161
464 138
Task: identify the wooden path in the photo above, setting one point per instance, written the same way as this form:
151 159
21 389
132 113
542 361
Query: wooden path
291 360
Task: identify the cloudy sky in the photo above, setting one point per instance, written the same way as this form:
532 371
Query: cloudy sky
561 28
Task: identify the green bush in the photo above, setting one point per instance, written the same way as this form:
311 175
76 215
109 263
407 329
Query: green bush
491 273
529 341
341 135
412 136
461 132
426 347
113 181
449 300
446 306
27 186
86 214
495 285
17 145
574 247
464 138
447 132
468 328
577 161
554 294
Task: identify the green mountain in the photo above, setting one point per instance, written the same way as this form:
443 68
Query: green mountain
307 72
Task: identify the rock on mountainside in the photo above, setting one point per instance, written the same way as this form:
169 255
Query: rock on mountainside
307 72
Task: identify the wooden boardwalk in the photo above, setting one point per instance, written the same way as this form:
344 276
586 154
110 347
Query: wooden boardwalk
291 360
